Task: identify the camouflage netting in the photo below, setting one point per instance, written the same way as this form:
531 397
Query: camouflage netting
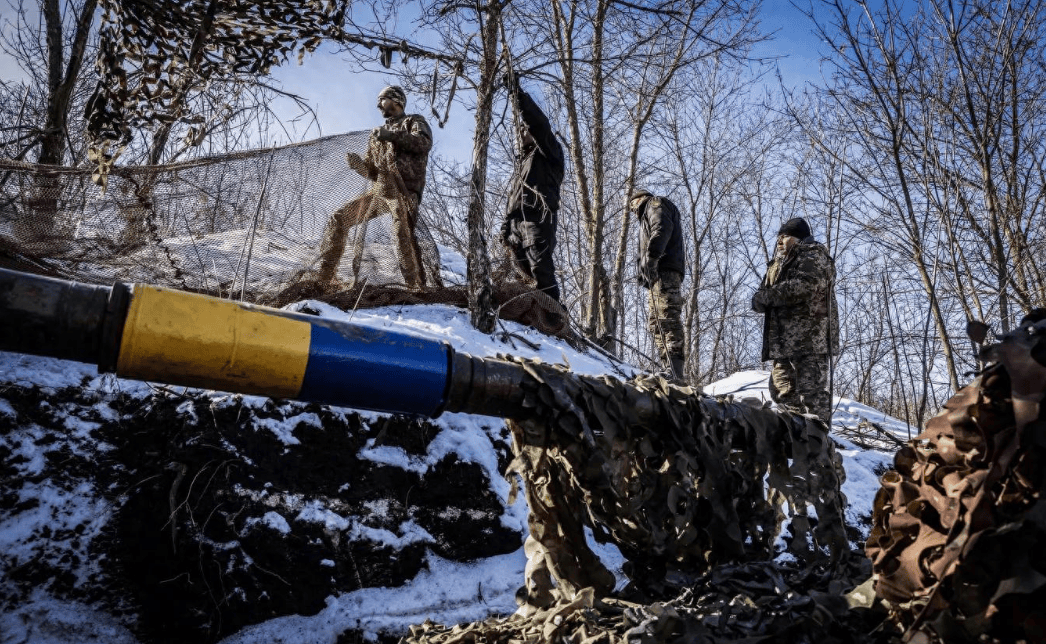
224 224
246 226
736 604
959 530
709 486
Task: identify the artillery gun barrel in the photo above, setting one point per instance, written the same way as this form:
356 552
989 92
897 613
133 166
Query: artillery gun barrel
163 335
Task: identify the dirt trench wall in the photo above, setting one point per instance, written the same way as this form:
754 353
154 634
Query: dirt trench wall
202 515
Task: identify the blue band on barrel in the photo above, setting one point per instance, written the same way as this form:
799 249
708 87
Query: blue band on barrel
353 366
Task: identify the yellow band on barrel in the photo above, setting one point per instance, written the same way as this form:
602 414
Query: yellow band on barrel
188 339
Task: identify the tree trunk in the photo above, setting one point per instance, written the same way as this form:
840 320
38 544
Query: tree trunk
600 318
60 84
480 284
617 294
564 43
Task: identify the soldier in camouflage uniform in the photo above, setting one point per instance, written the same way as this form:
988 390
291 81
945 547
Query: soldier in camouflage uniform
661 269
801 326
397 157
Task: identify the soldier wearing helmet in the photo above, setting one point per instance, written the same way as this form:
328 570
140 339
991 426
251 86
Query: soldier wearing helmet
396 158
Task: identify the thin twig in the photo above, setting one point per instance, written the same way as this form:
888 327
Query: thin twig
254 224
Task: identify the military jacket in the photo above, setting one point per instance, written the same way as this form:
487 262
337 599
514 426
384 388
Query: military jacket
660 237
539 169
408 151
802 317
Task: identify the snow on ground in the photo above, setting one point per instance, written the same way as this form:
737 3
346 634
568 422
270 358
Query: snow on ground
449 592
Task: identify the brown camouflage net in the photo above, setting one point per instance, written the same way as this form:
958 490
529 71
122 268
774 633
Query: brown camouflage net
958 541
710 485
742 604
244 226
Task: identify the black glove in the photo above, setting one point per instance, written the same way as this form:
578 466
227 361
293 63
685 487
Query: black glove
759 300
509 235
648 275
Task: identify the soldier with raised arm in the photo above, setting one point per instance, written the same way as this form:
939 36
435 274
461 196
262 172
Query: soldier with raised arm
529 229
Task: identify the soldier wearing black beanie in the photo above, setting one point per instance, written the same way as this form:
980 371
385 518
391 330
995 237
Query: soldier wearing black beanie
801 324
795 227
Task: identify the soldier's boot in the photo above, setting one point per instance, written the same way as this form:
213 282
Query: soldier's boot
538 590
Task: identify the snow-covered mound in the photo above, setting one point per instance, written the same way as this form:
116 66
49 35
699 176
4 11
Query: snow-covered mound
137 513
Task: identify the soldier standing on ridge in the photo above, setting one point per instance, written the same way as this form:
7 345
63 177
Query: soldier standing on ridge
529 230
801 326
661 269
397 157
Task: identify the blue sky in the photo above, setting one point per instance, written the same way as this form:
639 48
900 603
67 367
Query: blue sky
345 101
793 40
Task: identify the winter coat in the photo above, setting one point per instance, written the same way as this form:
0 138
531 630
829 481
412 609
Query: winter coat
409 150
660 239
801 314
539 167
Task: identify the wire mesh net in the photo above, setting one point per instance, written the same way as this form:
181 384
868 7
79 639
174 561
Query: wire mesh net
243 224
269 226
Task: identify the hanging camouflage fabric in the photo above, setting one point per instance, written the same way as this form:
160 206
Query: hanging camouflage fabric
960 521
743 603
677 497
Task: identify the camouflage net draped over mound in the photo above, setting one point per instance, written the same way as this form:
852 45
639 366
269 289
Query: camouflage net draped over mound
244 222
731 604
706 486
959 530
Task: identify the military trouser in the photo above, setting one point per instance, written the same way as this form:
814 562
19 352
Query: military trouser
404 213
532 243
559 561
800 384
665 320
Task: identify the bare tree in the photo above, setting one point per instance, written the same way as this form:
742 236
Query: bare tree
52 55
663 56
934 120
610 59
719 135
873 89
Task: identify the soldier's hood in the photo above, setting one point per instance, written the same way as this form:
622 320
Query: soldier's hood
809 244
